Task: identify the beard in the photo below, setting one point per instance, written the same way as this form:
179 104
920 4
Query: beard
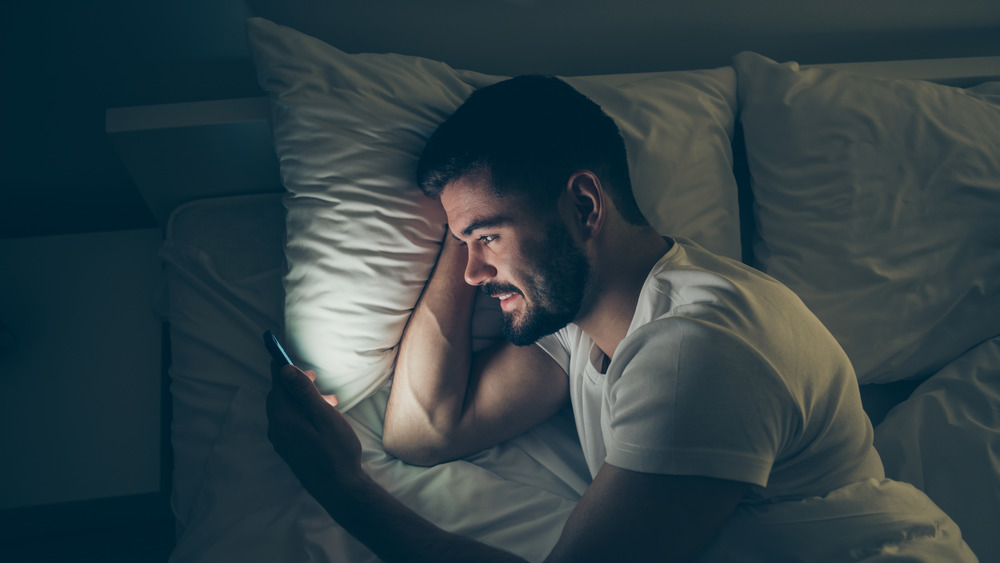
555 278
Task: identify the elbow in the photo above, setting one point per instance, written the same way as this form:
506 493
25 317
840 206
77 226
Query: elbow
413 456
412 448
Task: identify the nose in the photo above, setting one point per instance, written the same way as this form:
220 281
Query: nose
478 270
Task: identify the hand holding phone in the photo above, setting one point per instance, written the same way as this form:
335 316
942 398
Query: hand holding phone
276 350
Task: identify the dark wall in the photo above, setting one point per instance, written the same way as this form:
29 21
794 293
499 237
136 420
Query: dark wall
66 61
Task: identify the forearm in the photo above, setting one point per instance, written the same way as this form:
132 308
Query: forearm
395 533
435 357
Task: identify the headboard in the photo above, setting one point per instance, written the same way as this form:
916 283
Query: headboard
186 151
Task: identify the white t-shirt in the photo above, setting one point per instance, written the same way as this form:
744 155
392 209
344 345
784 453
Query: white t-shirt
723 373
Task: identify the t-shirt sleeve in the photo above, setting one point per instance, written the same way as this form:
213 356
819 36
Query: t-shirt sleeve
689 398
557 345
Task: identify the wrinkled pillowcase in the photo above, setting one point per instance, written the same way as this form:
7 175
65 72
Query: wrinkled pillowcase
877 202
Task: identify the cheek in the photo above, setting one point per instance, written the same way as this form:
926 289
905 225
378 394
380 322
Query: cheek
510 269
529 276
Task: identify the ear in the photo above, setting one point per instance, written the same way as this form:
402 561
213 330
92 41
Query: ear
587 197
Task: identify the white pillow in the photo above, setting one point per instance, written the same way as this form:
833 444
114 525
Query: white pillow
878 202
362 239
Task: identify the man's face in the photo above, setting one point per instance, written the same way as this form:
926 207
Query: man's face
531 264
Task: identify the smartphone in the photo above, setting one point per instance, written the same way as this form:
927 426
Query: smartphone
275 349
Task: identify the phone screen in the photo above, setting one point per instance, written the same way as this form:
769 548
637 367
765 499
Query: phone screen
275 349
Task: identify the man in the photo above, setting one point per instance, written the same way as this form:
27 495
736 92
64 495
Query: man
715 411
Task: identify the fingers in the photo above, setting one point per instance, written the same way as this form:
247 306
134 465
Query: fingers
303 389
332 400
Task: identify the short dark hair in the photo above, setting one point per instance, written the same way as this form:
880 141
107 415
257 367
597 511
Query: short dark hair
529 134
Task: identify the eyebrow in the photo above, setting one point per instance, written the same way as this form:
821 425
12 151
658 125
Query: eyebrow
484 223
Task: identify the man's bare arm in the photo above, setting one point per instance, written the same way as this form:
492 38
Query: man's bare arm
445 402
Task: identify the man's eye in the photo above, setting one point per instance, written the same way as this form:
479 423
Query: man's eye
487 239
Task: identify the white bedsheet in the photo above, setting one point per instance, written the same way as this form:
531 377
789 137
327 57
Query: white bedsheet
945 439
233 497
236 500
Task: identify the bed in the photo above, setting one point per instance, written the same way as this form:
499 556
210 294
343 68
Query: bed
872 190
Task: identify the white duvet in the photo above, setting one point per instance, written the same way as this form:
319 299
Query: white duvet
945 439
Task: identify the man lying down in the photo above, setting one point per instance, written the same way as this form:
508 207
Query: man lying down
720 420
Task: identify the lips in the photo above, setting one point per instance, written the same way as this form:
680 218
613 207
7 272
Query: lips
506 299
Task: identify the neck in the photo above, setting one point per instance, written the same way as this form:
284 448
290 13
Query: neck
621 269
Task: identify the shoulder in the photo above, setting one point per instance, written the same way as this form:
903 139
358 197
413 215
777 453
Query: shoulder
690 281
685 339
691 361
